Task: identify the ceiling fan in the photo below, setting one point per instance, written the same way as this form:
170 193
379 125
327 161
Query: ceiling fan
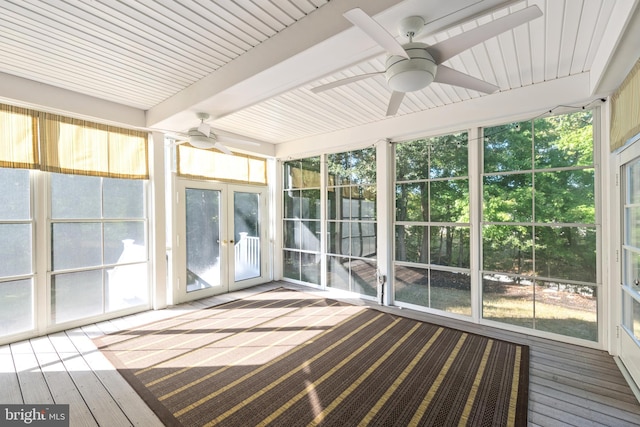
413 66
204 138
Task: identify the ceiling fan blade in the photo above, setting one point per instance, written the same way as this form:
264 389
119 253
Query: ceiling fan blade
456 44
376 31
222 148
394 103
204 128
234 138
344 81
456 78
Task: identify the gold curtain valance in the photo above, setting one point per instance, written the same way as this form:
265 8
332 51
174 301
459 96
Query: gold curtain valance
625 109
212 164
79 147
18 138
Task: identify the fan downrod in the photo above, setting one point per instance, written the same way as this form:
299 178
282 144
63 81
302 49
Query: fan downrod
203 116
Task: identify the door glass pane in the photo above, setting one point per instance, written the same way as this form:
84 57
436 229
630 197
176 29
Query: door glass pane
631 269
633 182
246 220
632 224
202 238
631 315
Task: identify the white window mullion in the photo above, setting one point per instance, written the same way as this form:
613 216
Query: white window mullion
475 146
41 250
324 226
385 216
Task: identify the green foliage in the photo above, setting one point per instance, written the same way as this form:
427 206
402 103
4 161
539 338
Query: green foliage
433 188
352 167
565 140
559 181
508 147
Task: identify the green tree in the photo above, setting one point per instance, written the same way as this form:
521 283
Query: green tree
432 187
546 163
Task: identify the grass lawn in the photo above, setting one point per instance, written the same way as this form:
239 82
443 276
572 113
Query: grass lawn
571 315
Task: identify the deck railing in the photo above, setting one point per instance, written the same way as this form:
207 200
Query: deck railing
247 256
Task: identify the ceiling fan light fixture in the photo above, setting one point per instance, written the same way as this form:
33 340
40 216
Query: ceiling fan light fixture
200 140
408 75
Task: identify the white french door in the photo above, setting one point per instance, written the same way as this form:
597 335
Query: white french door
629 162
221 238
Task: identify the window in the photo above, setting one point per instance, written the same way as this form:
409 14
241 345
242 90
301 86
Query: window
432 230
301 220
99 250
16 252
198 163
539 226
351 221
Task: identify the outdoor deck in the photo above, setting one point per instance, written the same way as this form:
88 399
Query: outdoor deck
569 385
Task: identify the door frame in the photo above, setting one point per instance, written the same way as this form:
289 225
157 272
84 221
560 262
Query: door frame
227 273
231 189
627 348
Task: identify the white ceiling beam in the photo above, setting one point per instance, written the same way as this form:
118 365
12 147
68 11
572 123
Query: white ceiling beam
311 30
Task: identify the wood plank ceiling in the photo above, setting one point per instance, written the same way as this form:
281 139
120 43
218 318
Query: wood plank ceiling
135 53
143 53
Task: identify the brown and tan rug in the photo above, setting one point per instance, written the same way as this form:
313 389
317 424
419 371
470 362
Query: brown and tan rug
288 358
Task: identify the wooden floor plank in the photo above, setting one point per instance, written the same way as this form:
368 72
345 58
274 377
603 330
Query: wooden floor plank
127 399
606 368
32 382
596 407
63 389
10 392
596 385
562 417
104 408
603 400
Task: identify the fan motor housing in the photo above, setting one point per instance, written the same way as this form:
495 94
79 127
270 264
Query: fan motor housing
200 140
408 75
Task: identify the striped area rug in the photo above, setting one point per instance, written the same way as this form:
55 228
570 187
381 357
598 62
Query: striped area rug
288 358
